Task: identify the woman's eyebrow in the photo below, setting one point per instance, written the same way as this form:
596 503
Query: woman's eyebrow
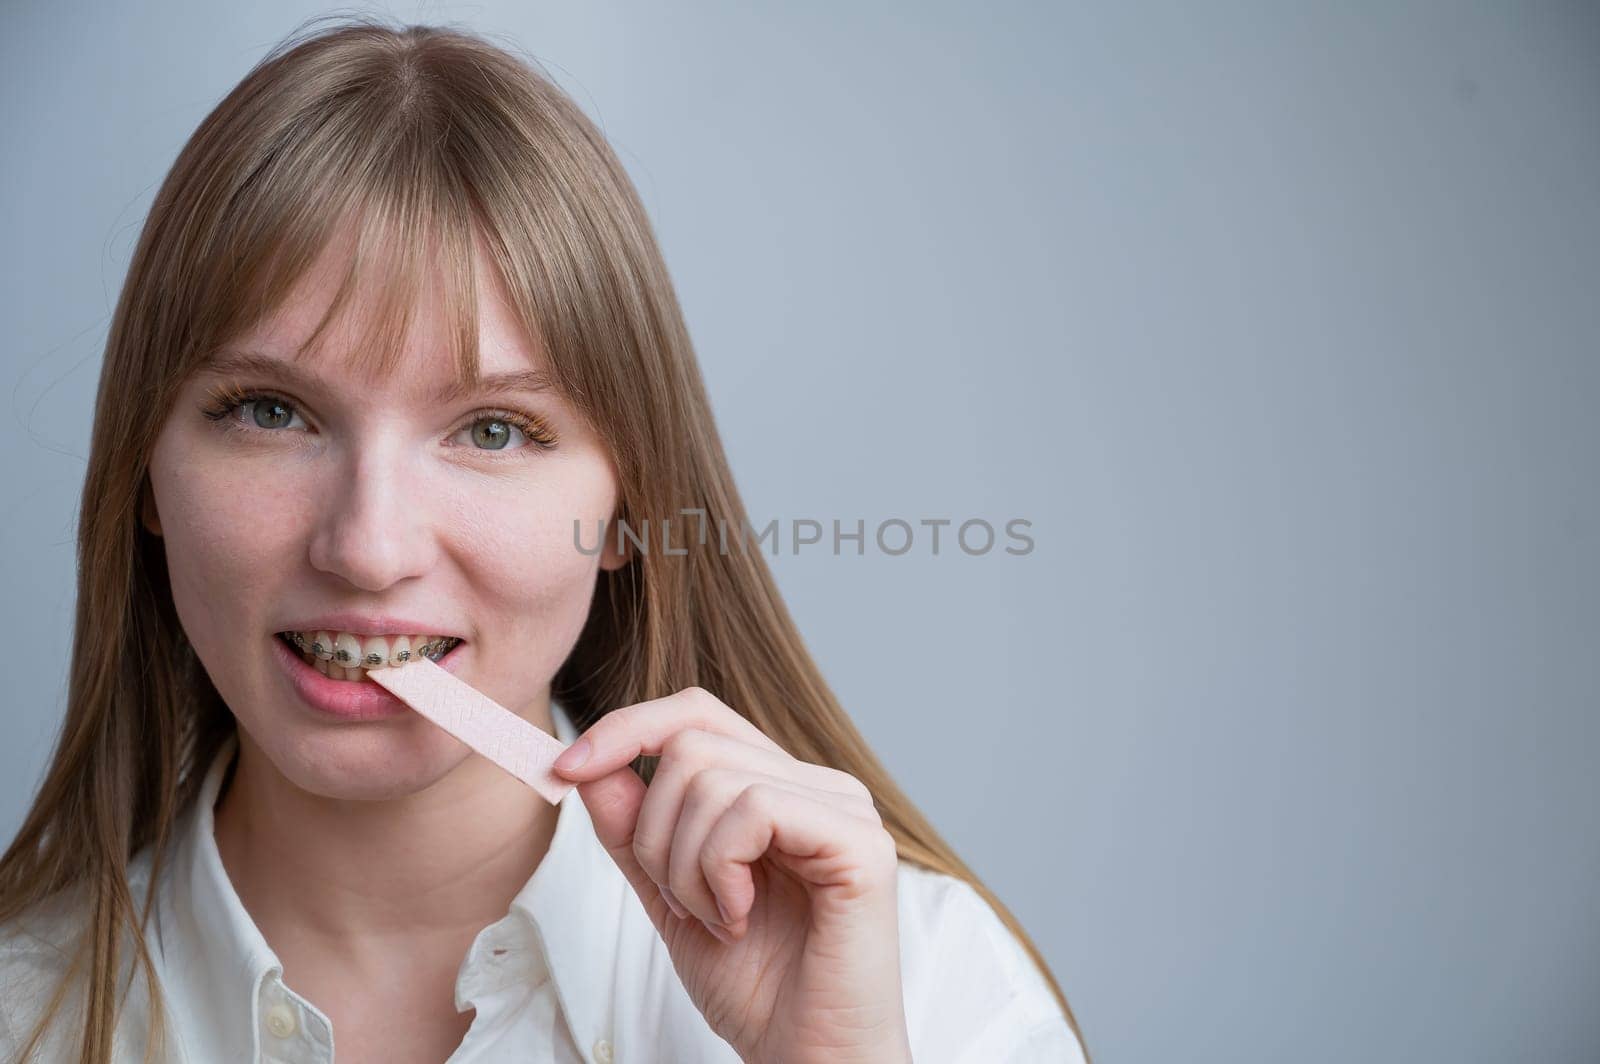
517 380
227 363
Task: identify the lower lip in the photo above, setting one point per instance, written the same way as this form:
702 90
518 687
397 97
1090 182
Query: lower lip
345 699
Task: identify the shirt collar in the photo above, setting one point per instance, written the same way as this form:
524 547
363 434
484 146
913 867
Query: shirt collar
217 958
573 902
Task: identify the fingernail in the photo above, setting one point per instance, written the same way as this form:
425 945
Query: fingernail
673 903
573 756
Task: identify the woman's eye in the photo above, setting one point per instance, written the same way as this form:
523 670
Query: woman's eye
500 430
493 433
237 411
270 413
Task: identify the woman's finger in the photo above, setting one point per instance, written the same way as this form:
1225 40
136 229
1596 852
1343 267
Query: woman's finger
706 798
835 851
692 751
644 727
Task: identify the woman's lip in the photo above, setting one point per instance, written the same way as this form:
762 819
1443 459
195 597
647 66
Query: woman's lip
345 699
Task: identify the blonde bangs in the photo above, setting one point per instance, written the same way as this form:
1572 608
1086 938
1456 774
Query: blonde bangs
389 205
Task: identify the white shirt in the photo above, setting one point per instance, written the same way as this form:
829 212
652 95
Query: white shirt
574 972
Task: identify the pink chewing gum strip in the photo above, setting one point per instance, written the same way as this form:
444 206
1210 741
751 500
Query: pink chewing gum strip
491 729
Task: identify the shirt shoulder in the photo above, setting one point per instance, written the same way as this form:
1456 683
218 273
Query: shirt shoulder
973 993
36 953
52 926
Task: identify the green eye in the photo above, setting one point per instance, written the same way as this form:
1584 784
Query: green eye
235 409
491 434
493 430
271 414
509 432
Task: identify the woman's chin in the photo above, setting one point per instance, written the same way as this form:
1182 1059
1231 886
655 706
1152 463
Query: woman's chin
348 765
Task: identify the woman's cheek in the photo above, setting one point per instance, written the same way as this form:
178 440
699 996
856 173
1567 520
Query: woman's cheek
542 583
229 541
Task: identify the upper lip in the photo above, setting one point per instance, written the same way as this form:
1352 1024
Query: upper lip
370 624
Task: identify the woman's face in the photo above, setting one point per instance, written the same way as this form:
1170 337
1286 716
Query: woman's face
324 493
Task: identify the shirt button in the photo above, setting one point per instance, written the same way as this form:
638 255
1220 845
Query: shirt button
280 1021
602 1051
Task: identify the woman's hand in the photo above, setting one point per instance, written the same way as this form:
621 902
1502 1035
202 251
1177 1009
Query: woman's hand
771 880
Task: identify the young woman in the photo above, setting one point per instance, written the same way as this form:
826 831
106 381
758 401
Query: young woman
395 346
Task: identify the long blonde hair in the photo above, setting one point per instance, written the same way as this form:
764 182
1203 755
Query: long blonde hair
422 136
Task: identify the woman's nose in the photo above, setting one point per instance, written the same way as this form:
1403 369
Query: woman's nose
375 528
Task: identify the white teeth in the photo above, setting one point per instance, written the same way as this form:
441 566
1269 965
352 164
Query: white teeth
322 645
374 652
346 650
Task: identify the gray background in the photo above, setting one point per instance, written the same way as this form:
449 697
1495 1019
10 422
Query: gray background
1278 321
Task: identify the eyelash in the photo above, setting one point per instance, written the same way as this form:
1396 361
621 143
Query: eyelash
224 400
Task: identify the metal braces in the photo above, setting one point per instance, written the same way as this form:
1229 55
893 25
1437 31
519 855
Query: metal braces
433 651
